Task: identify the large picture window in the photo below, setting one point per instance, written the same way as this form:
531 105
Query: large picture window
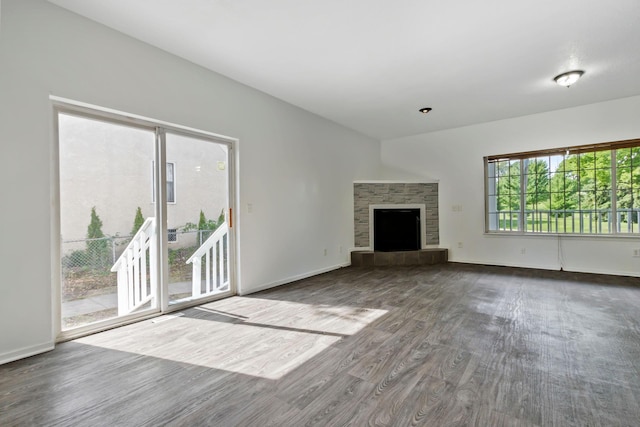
591 189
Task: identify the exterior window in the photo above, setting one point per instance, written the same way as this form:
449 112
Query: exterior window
172 234
577 190
171 182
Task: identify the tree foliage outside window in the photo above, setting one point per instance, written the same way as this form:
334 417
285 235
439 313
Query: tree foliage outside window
138 220
580 190
205 227
98 246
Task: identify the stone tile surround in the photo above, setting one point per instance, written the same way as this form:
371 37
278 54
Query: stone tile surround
379 193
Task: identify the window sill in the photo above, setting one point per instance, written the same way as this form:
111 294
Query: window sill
562 235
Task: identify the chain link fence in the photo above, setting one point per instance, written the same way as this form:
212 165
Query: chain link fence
86 266
86 263
86 272
93 253
103 252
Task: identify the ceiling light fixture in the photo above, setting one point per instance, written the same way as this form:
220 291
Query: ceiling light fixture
425 110
568 78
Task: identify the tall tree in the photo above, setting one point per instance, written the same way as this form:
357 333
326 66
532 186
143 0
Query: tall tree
508 185
596 178
628 182
565 185
537 184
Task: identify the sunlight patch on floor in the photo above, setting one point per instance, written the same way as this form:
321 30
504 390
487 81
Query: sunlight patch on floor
251 336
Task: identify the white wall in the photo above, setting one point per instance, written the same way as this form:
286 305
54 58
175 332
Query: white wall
296 169
455 157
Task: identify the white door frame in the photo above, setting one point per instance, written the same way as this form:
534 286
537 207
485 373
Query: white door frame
63 105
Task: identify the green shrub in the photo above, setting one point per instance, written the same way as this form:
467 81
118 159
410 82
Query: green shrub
75 259
137 221
98 252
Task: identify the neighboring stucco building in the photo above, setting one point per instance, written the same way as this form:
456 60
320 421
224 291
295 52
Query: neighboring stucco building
111 167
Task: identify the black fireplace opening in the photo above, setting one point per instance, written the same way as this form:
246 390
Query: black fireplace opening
396 230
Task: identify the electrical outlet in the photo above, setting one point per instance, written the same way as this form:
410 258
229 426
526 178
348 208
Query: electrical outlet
523 251
636 253
325 252
459 245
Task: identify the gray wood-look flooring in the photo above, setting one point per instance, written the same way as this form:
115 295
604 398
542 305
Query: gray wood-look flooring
448 344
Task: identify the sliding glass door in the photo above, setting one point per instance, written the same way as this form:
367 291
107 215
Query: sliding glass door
197 217
145 221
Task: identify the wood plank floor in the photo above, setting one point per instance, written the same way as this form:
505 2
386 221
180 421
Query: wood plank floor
438 345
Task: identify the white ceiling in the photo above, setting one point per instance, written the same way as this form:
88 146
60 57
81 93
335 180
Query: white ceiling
371 64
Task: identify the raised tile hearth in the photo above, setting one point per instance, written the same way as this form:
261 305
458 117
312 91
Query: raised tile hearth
377 258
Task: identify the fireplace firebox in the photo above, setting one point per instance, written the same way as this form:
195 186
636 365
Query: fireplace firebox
396 230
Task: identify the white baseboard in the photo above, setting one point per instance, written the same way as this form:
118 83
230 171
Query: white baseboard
505 264
25 352
295 278
549 267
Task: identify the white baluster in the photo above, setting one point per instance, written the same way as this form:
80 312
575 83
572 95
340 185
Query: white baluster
153 263
207 265
135 271
122 288
196 280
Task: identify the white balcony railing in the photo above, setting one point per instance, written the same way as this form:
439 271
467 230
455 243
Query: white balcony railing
137 270
215 252
576 221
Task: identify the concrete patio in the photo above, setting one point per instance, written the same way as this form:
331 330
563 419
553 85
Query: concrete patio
97 303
